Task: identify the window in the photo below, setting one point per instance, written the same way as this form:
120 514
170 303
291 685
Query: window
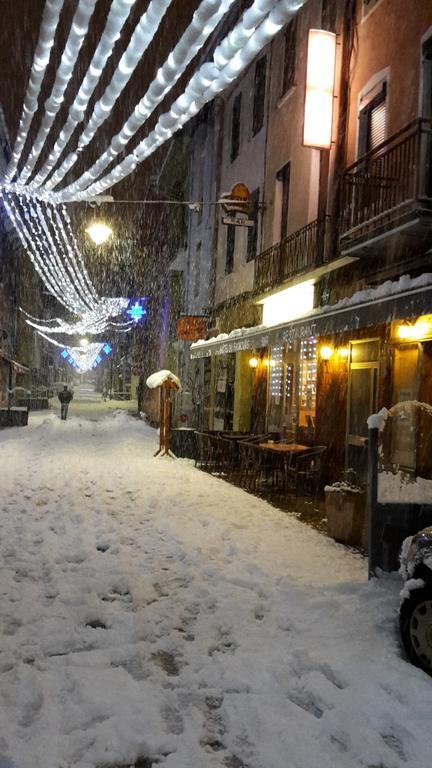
197 269
252 235
259 95
235 127
230 245
427 79
373 120
283 180
289 68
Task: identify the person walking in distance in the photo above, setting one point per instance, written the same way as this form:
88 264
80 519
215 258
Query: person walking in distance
65 396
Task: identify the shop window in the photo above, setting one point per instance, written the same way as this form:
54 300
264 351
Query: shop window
289 65
259 95
372 120
235 127
230 246
224 394
292 390
252 235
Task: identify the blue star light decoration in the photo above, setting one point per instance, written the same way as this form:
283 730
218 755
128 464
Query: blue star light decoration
136 312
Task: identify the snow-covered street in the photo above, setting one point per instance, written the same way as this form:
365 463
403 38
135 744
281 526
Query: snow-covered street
149 610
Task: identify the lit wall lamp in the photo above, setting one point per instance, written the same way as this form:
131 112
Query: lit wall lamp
325 353
320 82
253 362
420 330
343 352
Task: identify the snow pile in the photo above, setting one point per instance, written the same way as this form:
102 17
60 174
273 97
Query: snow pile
149 610
160 377
383 291
378 420
401 487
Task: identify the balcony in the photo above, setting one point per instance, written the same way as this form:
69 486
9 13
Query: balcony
297 254
386 203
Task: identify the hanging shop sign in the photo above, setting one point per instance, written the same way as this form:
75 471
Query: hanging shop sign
237 221
191 327
236 205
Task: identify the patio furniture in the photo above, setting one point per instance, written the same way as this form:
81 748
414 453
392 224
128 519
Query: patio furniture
304 471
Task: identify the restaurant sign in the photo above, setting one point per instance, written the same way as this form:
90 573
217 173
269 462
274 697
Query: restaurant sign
191 327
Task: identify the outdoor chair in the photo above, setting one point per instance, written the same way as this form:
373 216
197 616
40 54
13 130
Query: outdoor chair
304 472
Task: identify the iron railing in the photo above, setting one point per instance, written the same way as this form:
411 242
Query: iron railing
383 186
297 253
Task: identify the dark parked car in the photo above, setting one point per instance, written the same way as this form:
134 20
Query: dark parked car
415 616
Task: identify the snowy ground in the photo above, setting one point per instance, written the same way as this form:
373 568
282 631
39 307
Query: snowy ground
150 610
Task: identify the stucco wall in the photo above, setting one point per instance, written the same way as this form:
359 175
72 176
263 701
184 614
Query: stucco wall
390 38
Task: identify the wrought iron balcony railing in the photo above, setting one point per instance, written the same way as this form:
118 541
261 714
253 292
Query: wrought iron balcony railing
299 252
382 189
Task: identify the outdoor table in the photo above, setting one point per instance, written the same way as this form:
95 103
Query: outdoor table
284 447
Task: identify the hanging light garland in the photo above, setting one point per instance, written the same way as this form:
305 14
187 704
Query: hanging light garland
232 57
79 28
140 40
41 59
204 21
45 230
117 17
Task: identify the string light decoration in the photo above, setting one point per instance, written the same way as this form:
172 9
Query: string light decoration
140 40
43 225
204 21
87 357
117 17
308 375
238 49
276 372
41 59
78 31
258 25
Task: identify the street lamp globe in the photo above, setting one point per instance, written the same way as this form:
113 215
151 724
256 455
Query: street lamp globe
99 232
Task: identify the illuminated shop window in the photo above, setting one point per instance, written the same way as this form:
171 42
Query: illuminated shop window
307 382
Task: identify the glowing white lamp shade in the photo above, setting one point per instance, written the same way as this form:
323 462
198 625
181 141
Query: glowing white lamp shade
288 304
99 232
320 80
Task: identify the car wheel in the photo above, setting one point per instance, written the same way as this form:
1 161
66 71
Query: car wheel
415 621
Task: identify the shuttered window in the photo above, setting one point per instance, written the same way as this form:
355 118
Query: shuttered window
373 122
377 125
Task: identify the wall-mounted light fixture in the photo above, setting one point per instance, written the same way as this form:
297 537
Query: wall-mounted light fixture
421 329
253 362
343 352
320 81
326 352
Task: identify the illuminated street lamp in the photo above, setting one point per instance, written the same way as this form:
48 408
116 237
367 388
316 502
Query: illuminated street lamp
99 232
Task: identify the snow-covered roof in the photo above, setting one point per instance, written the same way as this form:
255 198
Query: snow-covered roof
160 377
331 317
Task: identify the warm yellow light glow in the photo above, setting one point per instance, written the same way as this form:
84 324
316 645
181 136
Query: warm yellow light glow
419 330
99 232
253 362
343 352
326 353
320 77
84 343
288 304
272 363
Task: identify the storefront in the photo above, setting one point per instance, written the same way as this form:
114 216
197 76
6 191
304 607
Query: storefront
326 372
